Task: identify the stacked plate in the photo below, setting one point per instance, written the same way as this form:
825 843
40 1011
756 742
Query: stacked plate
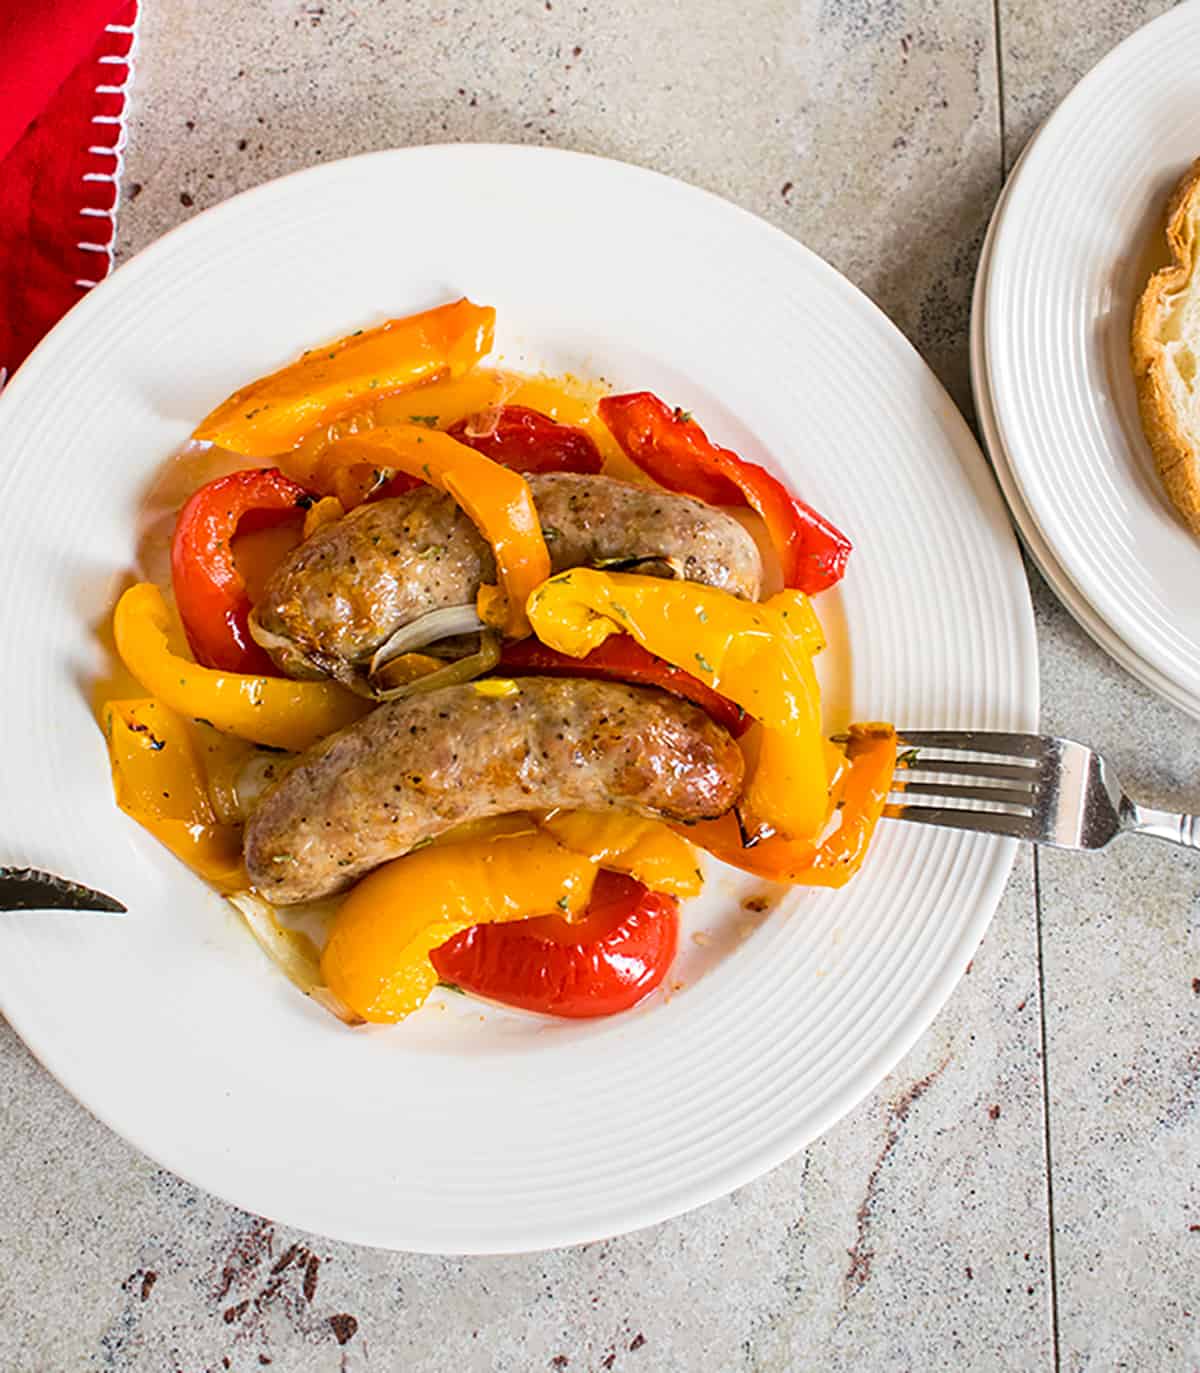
1071 244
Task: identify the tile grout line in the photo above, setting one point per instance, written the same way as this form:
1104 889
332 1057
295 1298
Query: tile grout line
1047 1150
996 30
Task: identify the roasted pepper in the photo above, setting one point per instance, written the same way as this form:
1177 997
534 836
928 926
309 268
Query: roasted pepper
607 962
645 849
158 782
498 502
376 960
832 862
622 659
443 404
210 591
528 441
759 656
274 413
515 437
668 445
265 710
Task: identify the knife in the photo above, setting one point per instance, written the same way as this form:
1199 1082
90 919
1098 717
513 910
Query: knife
27 889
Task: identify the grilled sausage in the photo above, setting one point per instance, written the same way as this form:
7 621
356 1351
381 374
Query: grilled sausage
338 596
415 768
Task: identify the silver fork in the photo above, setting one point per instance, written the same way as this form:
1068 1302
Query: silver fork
1045 790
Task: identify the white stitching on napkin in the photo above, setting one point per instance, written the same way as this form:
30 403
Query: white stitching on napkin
116 150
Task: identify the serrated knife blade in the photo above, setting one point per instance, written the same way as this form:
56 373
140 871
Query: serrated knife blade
28 889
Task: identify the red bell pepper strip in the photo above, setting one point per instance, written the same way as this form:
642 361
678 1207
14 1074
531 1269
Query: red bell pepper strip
209 590
605 963
622 659
523 440
528 441
670 446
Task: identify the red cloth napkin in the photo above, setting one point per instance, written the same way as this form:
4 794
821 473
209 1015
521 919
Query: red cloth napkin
66 68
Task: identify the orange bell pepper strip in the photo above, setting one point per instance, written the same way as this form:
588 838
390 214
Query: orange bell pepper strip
497 500
758 656
274 413
377 962
266 710
871 759
157 781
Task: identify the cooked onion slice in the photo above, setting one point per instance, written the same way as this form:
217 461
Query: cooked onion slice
451 620
291 951
453 674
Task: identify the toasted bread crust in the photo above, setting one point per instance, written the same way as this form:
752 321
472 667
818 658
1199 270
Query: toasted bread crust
1175 452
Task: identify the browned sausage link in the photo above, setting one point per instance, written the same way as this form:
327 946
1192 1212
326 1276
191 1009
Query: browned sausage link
414 768
334 600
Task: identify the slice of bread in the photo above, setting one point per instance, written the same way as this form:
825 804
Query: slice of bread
1166 354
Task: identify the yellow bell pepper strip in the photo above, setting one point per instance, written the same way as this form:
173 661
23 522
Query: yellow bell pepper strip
439 404
274 413
759 656
265 710
832 862
646 849
328 510
223 761
157 781
497 500
376 960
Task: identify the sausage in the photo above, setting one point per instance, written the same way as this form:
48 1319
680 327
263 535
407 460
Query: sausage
346 589
414 768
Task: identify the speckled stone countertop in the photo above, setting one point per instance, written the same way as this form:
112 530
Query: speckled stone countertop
1022 1192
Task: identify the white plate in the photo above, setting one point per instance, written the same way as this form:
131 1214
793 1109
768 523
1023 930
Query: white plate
1041 553
464 1129
1080 229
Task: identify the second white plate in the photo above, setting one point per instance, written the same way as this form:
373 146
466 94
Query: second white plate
1031 536
1072 249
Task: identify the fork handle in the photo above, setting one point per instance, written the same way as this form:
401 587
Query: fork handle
1164 824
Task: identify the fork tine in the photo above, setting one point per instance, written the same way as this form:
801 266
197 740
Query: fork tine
970 767
1007 796
977 741
983 821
